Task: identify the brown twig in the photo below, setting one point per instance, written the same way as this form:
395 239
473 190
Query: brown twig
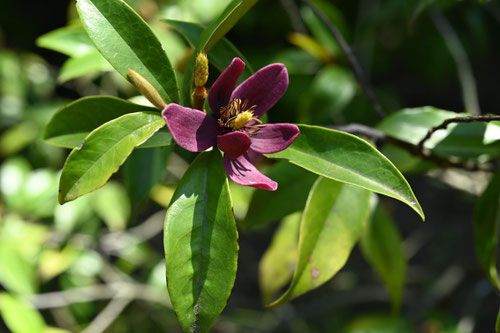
444 125
358 72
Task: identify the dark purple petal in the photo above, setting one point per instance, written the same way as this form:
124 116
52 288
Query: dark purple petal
264 88
221 90
191 129
241 171
234 144
273 138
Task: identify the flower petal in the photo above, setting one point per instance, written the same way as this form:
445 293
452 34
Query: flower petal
219 94
234 144
264 88
273 138
191 129
241 171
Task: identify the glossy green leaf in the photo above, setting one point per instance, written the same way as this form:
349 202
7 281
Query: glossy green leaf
144 169
162 138
381 245
462 140
332 222
201 244
71 124
17 274
89 167
72 41
221 55
486 225
291 195
348 159
278 263
19 316
209 38
88 63
126 41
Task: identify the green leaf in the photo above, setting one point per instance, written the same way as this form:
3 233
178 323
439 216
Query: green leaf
201 246
462 140
220 55
278 263
72 41
104 150
19 316
332 222
126 41
17 274
492 132
88 63
71 124
486 223
348 159
143 170
162 138
291 195
210 36
497 326
382 247
379 323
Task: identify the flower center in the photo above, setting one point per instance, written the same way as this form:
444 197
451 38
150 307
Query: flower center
235 116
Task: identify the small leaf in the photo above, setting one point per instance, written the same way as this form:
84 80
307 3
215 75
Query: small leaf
19 316
71 124
88 63
348 159
332 222
486 225
221 54
126 41
201 244
210 36
278 263
104 150
72 41
382 247
291 195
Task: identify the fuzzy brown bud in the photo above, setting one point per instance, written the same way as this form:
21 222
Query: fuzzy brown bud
201 70
146 89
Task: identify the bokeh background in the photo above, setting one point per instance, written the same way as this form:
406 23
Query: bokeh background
99 260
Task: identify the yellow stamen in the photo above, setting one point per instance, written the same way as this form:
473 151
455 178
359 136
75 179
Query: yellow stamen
242 119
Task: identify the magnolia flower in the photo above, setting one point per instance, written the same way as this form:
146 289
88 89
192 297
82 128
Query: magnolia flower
235 126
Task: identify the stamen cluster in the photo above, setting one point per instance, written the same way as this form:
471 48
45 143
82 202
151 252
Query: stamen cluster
236 116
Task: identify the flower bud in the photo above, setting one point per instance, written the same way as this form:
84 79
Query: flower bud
146 89
201 70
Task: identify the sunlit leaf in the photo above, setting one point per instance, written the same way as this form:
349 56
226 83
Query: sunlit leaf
88 63
332 222
210 36
71 40
278 263
201 244
486 225
348 159
382 247
89 167
126 41
19 316
291 195
492 132
462 140
71 124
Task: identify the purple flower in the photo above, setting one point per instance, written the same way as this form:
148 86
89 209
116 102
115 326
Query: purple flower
235 126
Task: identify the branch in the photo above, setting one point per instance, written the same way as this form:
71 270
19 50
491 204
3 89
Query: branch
444 125
358 72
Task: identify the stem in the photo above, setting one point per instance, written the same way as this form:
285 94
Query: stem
444 125
358 72
467 81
